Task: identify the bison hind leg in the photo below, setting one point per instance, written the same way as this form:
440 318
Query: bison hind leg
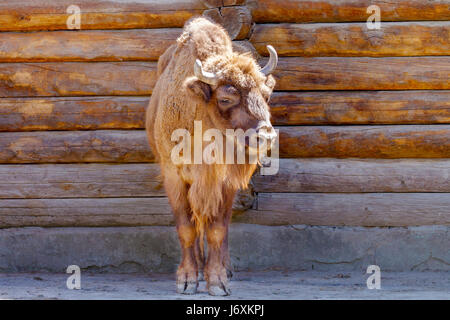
199 257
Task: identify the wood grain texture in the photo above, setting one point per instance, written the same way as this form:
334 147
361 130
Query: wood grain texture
138 78
354 39
94 180
114 14
237 20
93 45
99 45
369 209
74 146
353 209
104 212
76 78
287 108
264 11
72 113
390 73
85 212
33 15
402 141
359 176
388 142
51 181
357 107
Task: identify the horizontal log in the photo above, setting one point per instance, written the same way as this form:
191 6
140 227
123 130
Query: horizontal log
76 78
85 212
295 142
80 181
138 78
353 209
104 45
49 181
394 39
373 107
354 39
92 45
108 14
264 11
390 73
74 146
114 14
418 141
360 176
72 113
287 108
369 209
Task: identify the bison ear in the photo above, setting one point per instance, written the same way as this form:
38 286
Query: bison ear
199 88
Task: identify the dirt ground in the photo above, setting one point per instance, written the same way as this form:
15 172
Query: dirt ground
244 285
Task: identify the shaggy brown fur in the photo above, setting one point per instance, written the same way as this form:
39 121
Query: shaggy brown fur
201 195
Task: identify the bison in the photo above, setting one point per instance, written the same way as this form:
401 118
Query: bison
202 78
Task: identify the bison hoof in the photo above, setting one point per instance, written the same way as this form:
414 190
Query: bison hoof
187 287
229 274
217 281
219 290
201 277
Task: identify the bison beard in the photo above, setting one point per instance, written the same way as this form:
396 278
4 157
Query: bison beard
201 78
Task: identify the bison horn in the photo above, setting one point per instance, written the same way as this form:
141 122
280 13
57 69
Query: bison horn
273 61
204 76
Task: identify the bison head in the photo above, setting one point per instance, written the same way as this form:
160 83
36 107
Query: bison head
235 92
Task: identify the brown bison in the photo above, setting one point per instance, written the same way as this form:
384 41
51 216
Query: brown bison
202 79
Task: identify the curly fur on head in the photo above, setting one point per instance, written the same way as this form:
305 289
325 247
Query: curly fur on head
205 37
241 69
212 45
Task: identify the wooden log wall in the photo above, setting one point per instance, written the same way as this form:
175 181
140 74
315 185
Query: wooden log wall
364 115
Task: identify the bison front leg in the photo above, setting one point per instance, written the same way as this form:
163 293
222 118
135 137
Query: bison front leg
217 262
215 271
187 273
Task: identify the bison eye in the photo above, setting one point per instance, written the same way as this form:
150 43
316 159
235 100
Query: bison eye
225 104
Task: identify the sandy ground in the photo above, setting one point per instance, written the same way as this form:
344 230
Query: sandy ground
244 285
